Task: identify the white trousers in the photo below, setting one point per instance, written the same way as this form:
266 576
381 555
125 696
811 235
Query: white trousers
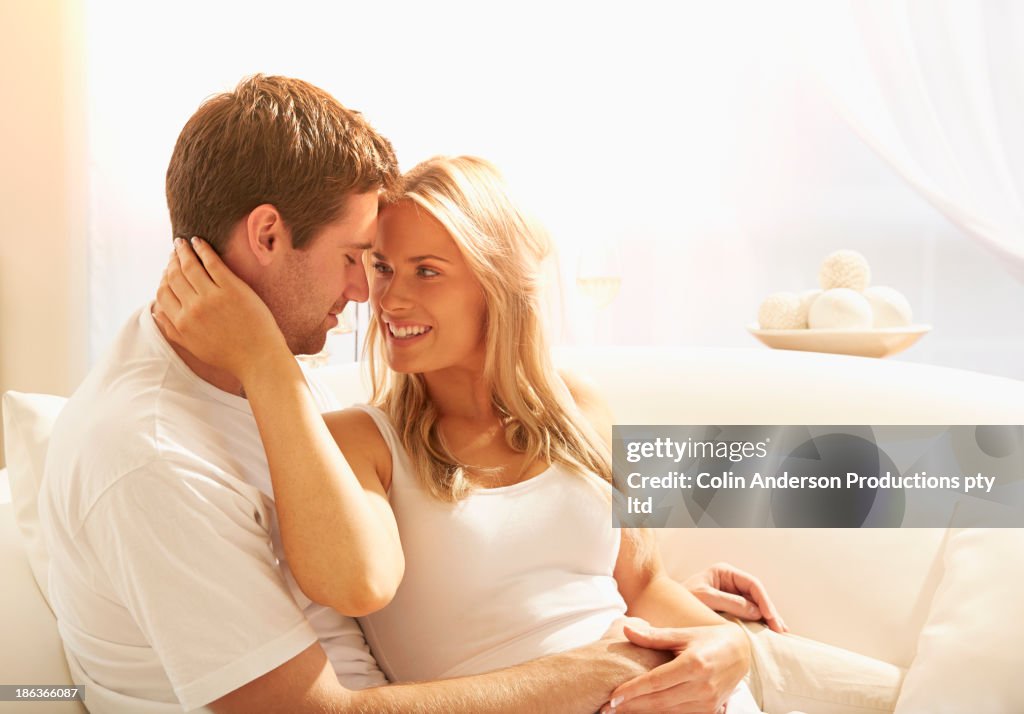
790 673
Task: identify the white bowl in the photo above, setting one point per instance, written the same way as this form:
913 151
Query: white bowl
874 342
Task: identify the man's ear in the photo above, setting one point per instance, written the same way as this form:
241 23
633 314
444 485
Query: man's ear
266 233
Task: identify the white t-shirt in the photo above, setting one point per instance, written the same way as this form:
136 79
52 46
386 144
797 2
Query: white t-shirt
167 574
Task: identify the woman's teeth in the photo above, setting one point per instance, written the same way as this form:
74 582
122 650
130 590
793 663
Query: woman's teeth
404 332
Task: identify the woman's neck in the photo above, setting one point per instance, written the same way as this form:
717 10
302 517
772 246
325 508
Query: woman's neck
460 393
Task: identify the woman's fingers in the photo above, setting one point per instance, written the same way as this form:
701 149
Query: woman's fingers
169 330
166 299
218 272
175 278
676 700
751 586
670 689
191 268
730 604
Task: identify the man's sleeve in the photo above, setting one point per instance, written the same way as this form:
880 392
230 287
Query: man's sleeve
190 557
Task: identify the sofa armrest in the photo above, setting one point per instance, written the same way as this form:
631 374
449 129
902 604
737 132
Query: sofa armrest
31 652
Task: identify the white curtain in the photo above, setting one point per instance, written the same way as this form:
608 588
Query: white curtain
936 88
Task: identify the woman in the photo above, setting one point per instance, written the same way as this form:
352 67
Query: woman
497 467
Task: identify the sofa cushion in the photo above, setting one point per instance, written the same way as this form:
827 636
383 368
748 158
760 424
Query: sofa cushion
866 590
28 421
964 660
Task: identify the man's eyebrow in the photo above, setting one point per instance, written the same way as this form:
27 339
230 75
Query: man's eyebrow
360 246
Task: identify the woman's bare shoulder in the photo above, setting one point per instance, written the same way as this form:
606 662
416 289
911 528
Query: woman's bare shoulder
358 435
590 402
352 417
584 392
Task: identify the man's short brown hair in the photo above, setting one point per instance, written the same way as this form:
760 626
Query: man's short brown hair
272 140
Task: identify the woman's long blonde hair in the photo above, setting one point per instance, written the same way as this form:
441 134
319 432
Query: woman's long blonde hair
505 249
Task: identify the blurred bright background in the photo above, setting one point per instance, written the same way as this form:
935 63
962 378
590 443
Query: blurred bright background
704 154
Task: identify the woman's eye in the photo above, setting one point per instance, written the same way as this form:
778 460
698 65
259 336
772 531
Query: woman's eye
425 272
381 267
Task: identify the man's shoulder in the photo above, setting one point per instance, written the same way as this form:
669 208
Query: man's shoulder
108 424
137 412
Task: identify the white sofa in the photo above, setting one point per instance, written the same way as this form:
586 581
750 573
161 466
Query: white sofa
943 604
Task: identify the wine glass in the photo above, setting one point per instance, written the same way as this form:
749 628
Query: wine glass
599 279
346 321
599 273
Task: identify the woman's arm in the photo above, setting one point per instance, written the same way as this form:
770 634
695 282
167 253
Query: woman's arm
650 593
721 586
712 655
337 528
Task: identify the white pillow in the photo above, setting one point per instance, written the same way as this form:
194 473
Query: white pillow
28 420
968 655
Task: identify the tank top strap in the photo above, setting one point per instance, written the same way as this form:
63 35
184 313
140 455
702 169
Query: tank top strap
401 467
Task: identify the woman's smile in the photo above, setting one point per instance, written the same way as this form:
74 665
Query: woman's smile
424 294
404 332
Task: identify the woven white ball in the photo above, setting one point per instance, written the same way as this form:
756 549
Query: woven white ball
844 269
781 311
807 298
889 308
840 309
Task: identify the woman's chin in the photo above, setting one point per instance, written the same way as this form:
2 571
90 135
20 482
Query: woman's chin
400 366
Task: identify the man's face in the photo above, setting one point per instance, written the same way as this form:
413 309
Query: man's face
309 287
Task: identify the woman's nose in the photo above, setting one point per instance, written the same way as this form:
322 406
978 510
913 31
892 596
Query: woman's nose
391 294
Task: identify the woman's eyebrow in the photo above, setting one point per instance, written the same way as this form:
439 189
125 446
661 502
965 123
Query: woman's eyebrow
418 258
413 259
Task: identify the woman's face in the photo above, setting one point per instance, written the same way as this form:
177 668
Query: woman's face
428 304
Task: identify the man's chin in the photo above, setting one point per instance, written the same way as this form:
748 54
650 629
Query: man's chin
309 345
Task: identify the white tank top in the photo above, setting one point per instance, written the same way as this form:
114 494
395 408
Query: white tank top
506 575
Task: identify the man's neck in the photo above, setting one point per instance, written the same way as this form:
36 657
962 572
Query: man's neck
219 378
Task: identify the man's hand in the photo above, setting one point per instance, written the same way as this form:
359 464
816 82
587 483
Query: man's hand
728 589
709 662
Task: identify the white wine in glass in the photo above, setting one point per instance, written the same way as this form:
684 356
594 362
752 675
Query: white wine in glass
320 359
347 321
599 273
600 290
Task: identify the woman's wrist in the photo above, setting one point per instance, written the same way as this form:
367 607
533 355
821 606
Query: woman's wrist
265 360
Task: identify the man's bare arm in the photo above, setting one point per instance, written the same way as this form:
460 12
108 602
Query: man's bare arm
576 681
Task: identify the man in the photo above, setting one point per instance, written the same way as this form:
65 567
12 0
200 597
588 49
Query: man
168 577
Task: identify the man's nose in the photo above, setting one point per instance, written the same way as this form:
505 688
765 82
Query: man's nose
357 288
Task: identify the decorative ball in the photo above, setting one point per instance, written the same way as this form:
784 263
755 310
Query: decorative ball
888 307
807 297
781 311
840 309
844 269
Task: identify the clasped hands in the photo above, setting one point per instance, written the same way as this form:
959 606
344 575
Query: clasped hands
709 661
